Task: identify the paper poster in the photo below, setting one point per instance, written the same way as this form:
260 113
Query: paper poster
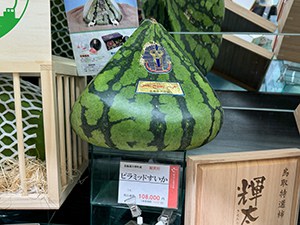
98 28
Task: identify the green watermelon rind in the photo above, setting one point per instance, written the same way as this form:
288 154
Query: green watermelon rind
114 90
204 17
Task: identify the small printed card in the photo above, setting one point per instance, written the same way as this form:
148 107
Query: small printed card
149 184
156 87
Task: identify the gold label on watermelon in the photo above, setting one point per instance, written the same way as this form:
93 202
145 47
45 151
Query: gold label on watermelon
156 59
156 87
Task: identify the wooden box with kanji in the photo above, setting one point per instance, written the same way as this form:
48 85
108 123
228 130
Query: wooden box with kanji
253 188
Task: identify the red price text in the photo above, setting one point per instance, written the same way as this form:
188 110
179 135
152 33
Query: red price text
149 197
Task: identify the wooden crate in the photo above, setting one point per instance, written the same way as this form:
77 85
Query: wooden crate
26 51
287 45
241 62
288 16
258 188
66 154
240 19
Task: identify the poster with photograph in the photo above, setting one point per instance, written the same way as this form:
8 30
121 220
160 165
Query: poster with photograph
98 28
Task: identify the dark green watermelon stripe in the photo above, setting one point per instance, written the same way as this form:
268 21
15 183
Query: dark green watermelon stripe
206 41
205 47
150 7
194 24
214 132
133 42
183 105
172 139
117 61
188 121
207 102
158 125
157 7
104 123
185 25
215 127
205 13
187 124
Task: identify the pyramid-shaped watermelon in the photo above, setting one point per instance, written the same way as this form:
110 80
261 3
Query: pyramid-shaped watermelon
149 97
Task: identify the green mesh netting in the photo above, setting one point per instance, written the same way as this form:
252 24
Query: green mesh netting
31 100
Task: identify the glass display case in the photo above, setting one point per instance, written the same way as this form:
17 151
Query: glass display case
105 169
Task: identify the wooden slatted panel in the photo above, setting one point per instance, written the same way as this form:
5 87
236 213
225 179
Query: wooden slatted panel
50 118
68 127
73 135
62 144
20 137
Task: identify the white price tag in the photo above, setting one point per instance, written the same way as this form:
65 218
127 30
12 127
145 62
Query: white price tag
149 184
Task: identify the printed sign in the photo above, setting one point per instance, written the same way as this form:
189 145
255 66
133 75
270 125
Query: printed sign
98 28
155 87
148 184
